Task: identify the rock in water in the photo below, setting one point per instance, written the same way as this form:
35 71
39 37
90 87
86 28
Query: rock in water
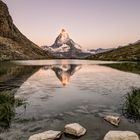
13 44
121 135
75 129
113 120
48 135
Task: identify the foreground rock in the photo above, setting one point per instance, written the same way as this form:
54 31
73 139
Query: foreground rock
48 135
75 129
121 135
113 120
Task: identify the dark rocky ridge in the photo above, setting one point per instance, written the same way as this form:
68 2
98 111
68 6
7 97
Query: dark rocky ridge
13 44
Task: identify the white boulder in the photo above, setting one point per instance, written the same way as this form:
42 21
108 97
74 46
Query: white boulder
47 135
75 129
113 120
121 135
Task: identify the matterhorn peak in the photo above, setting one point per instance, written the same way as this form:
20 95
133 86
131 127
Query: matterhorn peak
65 47
63 39
64 33
63 36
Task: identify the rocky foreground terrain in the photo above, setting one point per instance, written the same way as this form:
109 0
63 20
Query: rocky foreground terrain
13 44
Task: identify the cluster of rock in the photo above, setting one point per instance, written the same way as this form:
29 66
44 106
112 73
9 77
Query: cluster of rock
74 129
77 130
118 135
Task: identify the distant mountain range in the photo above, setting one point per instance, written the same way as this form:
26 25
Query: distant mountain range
13 44
129 52
100 50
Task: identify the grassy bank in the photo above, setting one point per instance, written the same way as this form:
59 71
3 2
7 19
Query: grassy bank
130 52
8 103
132 105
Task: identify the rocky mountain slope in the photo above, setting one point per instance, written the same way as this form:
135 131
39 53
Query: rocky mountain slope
65 47
13 44
129 52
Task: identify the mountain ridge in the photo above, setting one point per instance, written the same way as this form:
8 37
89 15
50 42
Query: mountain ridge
129 52
13 44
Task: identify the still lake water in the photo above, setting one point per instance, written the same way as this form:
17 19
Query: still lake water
58 92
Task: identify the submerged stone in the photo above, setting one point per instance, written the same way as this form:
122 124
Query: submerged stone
121 135
48 135
75 129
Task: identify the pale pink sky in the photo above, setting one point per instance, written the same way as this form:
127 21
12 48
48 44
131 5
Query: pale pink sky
91 23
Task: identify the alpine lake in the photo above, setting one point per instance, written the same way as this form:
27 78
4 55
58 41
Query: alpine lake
48 94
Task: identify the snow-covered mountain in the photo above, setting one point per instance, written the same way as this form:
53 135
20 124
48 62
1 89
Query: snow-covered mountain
65 47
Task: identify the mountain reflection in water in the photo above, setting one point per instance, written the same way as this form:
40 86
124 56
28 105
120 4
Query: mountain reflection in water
64 72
